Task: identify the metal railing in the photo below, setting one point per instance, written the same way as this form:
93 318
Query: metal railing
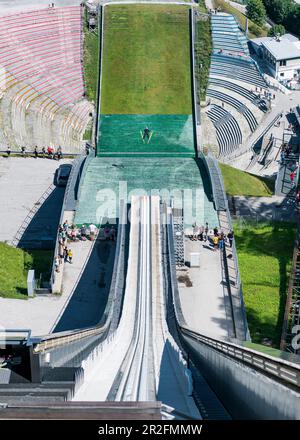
31 214
250 147
216 180
67 206
292 311
113 307
277 368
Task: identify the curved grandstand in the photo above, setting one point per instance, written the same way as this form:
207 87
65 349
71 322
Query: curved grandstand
148 311
42 85
234 83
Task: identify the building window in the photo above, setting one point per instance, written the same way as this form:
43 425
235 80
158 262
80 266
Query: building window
282 74
283 63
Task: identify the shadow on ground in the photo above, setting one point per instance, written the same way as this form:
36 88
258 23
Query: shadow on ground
89 298
42 230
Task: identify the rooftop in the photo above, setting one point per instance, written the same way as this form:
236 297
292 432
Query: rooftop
286 47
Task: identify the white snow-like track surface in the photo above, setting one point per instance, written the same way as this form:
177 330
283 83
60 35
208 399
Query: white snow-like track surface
152 366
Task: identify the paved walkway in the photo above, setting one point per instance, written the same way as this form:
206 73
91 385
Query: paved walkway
22 183
85 289
283 104
209 4
265 208
238 6
11 6
203 303
86 282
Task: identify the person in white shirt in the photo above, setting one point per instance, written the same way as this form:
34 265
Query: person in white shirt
93 231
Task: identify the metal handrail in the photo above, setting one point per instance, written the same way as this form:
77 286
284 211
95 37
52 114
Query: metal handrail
31 214
288 313
251 146
58 339
279 369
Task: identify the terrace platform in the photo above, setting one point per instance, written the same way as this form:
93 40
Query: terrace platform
203 303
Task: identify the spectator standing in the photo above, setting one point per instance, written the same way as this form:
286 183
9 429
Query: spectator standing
292 178
83 232
201 232
65 254
23 151
36 153
215 242
216 232
8 151
206 229
93 230
112 233
88 233
73 233
59 153
43 152
230 238
66 226
195 232
221 242
50 152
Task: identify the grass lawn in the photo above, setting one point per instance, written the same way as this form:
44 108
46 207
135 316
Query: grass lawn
203 49
146 60
91 60
14 265
202 7
254 29
265 255
240 183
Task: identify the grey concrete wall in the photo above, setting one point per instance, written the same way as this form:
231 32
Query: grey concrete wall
246 393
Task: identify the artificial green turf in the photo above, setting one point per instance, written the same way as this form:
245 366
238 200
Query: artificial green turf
122 134
14 266
241 183
146 60
265 255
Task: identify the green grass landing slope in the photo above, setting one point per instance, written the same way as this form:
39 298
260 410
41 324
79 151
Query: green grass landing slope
146 60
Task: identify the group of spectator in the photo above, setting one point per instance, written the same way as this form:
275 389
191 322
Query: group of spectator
286 150
50 152
214 237
67 232
72 233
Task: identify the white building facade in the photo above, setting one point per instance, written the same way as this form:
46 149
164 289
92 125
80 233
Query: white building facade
281 55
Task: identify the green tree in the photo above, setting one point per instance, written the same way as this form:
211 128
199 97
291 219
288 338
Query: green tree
277 29
279 10
256 11
292 22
